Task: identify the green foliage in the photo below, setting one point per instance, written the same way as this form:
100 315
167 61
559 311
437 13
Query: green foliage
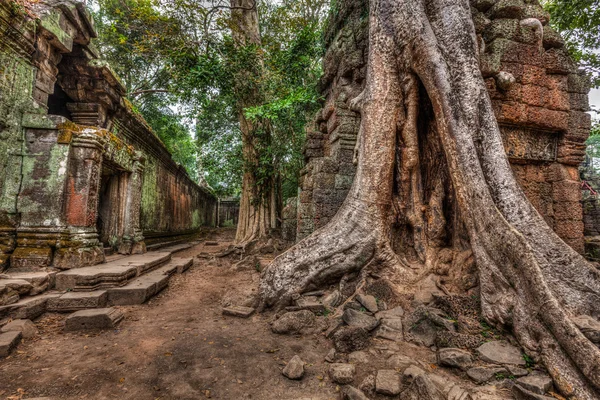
186 76
578 21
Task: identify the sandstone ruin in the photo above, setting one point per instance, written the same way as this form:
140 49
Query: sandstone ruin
80 170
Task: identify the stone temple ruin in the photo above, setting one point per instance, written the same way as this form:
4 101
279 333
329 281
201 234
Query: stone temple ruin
80 170
81 173
542 114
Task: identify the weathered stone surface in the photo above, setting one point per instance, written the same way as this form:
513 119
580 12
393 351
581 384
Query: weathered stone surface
516 371
387 382
369 302
358 357
25 326
422 388
73 301
399 361
386 332
424 323
238 311
455 358
350 338
41 281
311 304
8 341
411 372
484 374
497 352
342 373
352 393
115 273
294 368
101 318
330 357
360 320
520 393
536 383
293 322
394 313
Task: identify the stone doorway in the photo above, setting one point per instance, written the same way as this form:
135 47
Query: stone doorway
111 205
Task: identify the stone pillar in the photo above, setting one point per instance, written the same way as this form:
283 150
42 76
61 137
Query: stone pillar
40 201
133 238
80 245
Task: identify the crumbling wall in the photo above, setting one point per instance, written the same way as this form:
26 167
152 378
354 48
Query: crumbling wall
538 94
80 170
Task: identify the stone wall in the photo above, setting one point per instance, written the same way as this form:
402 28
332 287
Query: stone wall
541 113
80 170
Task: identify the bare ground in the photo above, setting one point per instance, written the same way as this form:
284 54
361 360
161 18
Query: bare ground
176 346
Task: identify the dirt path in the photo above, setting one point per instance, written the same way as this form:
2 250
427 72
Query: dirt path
176 346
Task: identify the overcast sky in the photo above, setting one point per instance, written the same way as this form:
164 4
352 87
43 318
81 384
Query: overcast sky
595 97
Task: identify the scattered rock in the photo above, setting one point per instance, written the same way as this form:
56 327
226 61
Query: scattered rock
350 338
424 323
399 361
294 368
498 352
520 393
332 300
369 302
354 305
385 332
483 374
99 318
310 303
505 80
238 311
358 319
516 371
351 393
387 382
422 388
368 384
397 312
358 357
8 341
293 322
536 383
25 326
455 358
342 373
589 327
211 243
330 357
411 372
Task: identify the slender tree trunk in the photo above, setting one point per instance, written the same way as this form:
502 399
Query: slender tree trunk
530 279
254 218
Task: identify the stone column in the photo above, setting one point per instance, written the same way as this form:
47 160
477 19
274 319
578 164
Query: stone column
133 238
80 245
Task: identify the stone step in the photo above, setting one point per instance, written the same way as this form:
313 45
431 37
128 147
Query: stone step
115 273
41 281
101 318
8 341
29 307
74 301
144 287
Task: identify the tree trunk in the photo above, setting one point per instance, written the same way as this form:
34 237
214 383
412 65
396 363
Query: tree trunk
254 215
530 279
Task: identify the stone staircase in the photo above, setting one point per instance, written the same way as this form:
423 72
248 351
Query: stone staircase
123 280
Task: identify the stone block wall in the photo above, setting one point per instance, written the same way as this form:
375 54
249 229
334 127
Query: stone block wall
80 170
538 94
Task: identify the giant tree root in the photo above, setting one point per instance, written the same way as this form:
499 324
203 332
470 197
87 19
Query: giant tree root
530 280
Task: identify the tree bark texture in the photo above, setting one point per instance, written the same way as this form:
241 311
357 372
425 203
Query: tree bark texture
256 198
530 280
